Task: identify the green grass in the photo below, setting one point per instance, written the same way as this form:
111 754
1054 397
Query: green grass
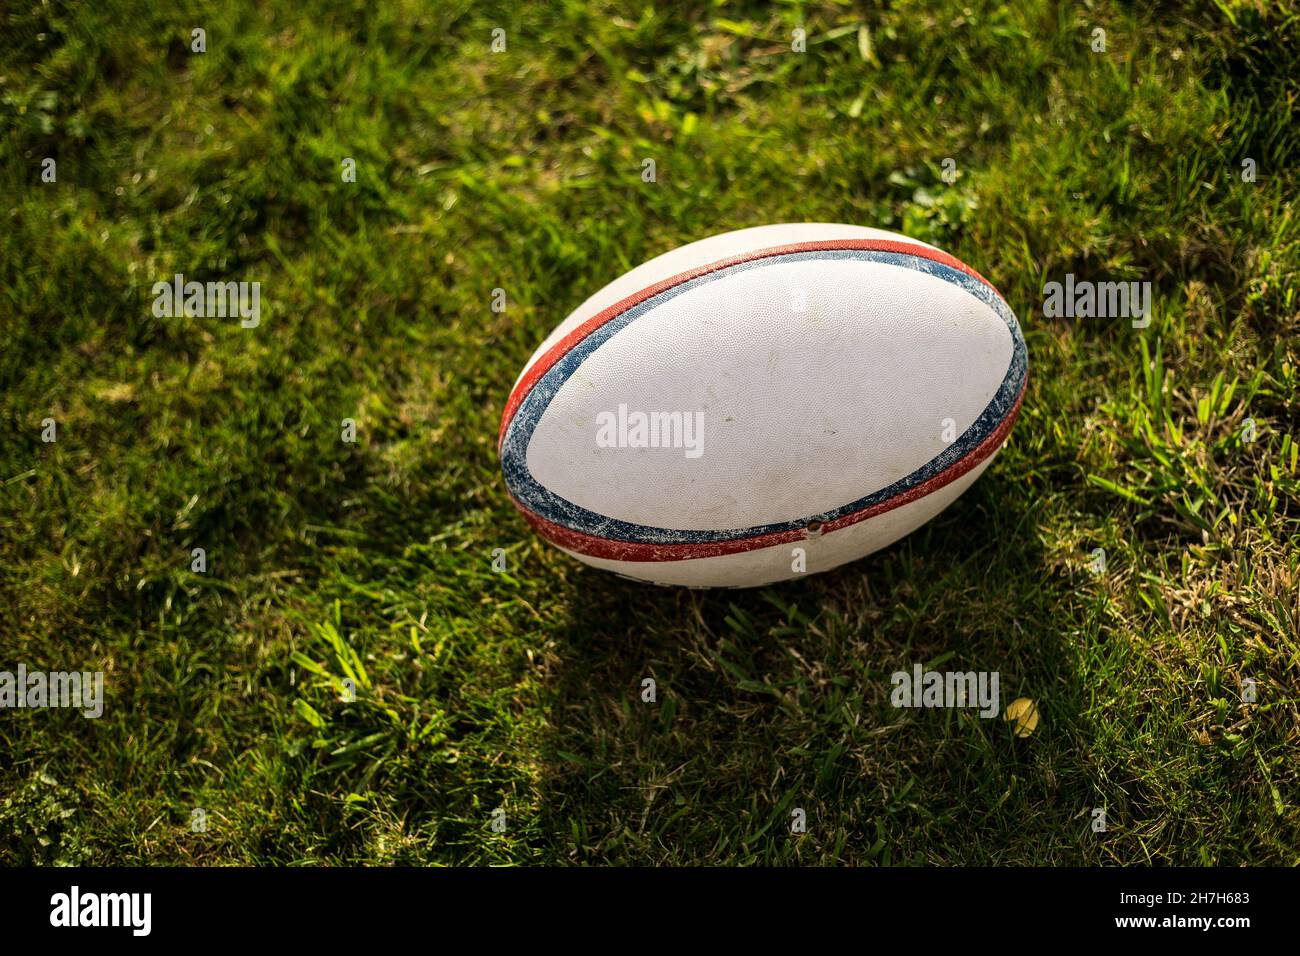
521 171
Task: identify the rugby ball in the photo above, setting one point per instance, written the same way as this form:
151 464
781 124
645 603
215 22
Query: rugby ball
762 404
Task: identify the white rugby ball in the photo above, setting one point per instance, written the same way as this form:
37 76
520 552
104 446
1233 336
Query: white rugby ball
763 404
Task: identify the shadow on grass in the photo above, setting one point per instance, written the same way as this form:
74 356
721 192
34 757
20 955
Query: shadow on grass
775 700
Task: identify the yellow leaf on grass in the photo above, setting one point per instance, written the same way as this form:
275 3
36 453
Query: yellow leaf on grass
1024 712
